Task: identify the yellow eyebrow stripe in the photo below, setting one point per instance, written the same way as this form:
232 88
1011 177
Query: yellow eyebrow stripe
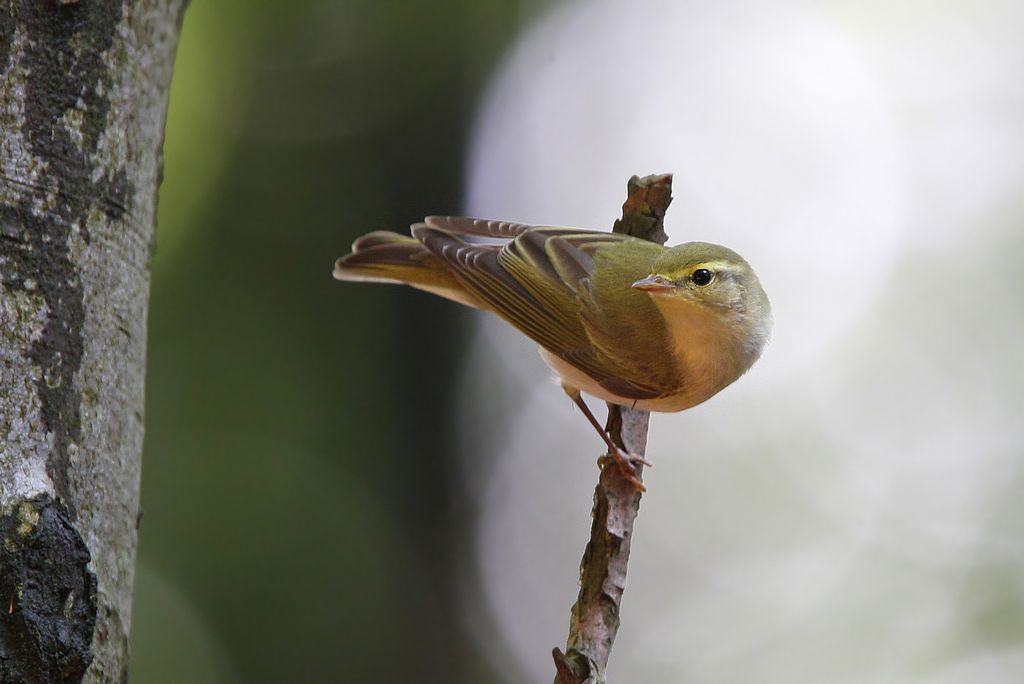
715 266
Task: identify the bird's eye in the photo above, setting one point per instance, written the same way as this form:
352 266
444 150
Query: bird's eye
702 276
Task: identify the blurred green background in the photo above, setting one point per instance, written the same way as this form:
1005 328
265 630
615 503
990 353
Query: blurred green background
299 513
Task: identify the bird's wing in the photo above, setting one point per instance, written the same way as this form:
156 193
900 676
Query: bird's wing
559 310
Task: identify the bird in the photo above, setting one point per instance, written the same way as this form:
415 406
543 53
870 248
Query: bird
621 319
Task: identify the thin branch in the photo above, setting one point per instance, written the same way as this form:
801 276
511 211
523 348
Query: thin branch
594 619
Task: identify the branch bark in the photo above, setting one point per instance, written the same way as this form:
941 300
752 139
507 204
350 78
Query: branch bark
83 96
594 618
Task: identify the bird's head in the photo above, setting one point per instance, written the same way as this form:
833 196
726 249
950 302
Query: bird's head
706 274
713 277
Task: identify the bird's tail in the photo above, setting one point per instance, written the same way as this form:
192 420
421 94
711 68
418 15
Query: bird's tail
383 257
386 257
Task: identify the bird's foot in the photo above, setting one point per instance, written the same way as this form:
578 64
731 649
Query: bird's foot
627 465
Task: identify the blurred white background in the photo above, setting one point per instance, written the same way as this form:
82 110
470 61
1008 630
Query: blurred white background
851 510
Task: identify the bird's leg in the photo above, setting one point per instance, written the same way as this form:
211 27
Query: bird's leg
624 462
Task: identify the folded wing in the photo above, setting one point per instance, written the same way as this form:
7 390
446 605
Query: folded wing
553 284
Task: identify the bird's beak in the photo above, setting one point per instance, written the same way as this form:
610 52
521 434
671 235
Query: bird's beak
654 283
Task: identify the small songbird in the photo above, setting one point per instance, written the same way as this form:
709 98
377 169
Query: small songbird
622 319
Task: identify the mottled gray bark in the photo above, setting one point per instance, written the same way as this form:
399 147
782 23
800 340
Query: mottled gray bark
83 96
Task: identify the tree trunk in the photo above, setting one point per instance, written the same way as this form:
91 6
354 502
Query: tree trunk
83 98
